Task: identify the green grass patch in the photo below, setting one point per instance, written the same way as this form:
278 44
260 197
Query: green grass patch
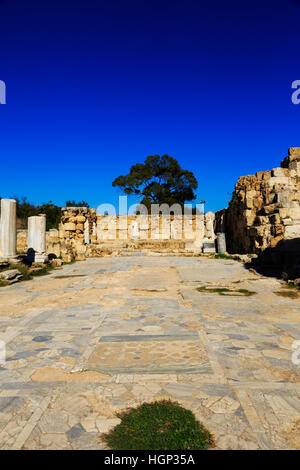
29 273
23 269
246 292
213 289
161 425
221 256
42 271
288 293
3 283
225 291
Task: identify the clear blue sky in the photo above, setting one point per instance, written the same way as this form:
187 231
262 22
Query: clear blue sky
96 86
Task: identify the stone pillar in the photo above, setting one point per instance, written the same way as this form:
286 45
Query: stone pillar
87 232
37 237
209 241
221 243
8 229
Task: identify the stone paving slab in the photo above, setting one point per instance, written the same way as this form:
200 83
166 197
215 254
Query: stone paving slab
101 335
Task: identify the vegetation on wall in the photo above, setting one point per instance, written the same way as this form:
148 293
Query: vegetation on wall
27 209
77 204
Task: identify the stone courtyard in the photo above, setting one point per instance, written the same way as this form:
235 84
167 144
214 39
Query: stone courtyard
100 335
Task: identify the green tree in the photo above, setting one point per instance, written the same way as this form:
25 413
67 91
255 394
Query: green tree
26 209
53 214
159 180
77 204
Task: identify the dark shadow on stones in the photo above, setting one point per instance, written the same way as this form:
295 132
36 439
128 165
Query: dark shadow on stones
29 258
281 261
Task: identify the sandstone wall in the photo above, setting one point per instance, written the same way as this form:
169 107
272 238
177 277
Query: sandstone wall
265 208
82 233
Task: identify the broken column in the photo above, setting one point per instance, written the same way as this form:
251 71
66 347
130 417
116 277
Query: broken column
209 241
87 232
8 228
221 243
37 237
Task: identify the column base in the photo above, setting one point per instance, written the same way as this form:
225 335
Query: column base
209 247
40 258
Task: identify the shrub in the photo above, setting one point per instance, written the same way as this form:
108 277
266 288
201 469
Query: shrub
161 425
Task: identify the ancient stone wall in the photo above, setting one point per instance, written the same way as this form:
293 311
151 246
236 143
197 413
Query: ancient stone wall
82 233
264 209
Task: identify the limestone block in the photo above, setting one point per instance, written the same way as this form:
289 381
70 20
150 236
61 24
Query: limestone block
284 212
280 180
263 175
250 216
80 257
269 209
288 221
69 226
80 219
279 172
292 231
122 222
80 227
271 198
294 152
53 233
54 248
249 200
284 197
295 212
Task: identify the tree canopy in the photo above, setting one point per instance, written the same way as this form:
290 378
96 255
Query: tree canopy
77 204
26 209
159 180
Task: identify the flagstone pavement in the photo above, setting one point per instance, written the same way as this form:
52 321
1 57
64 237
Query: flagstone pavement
98 336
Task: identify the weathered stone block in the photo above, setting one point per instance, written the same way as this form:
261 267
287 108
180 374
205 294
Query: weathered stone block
280 180
69 226
279 172
292 231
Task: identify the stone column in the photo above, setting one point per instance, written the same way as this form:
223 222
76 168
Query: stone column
8 229
209 241
37 237
221 243
87 232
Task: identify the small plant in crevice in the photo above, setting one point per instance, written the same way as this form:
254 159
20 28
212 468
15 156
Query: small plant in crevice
291 294
221 256
226 291
30 273
160 425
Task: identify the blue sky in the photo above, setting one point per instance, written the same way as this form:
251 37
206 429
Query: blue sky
96 86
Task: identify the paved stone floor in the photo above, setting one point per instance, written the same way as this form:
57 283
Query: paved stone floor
100 335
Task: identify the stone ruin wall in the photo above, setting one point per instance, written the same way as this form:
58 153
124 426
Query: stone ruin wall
264 212
83 233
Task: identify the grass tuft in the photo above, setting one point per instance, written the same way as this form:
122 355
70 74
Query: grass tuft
225 291
161 425
221 256
288 293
